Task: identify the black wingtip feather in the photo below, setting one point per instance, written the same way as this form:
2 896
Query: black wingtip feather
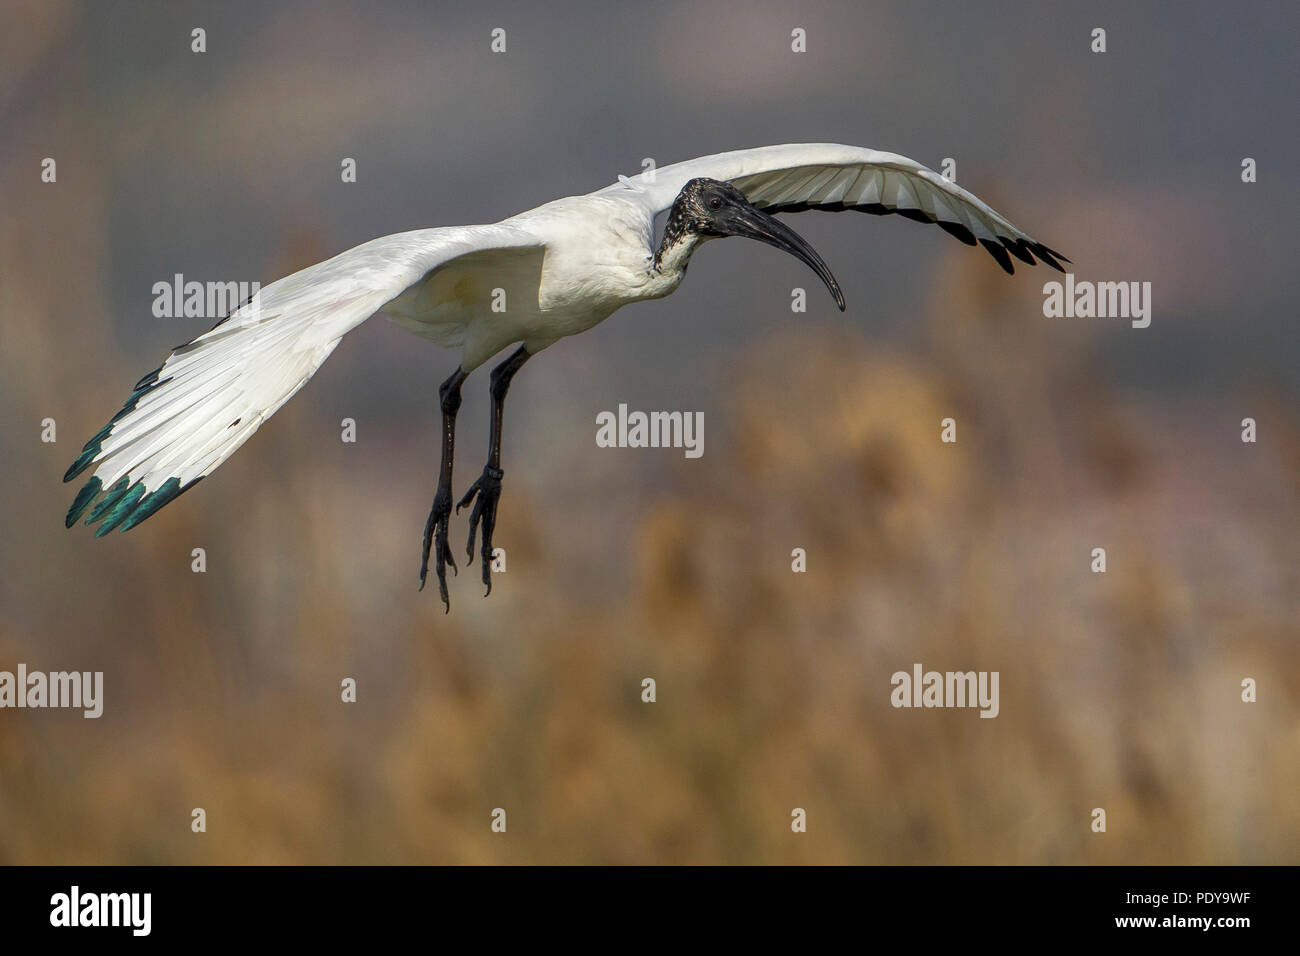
916 215
958 231
1045 254
1018 250
1000 254
152 501
84 497
873 209
147 379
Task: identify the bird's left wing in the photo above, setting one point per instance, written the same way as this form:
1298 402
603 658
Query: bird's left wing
833 178
192 412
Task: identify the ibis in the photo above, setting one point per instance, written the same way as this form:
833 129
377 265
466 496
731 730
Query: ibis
527 282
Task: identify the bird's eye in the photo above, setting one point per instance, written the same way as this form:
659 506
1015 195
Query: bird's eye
715 203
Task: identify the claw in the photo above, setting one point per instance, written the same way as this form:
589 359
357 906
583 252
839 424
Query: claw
469 496
484 493
435 538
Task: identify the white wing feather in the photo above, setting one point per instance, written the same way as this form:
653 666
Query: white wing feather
191 413
833 178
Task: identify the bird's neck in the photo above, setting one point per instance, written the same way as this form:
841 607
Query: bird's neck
678 243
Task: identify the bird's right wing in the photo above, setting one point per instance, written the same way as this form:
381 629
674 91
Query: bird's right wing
830 177
190 414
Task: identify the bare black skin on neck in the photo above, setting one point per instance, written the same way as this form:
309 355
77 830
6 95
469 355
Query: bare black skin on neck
688 215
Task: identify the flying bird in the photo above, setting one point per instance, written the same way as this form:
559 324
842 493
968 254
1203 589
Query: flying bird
563 267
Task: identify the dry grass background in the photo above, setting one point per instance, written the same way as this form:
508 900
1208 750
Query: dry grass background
222 690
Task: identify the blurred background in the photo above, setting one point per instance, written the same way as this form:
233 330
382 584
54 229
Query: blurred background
222 690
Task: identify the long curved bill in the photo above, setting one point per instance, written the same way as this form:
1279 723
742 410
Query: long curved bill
755 224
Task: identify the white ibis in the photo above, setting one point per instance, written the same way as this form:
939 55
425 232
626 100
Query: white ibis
563 267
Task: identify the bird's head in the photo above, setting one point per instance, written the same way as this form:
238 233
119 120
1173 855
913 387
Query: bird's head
711 209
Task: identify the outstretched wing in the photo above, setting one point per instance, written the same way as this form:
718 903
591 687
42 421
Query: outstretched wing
190 414
832 178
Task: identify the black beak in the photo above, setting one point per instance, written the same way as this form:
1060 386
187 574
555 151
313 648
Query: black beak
753 224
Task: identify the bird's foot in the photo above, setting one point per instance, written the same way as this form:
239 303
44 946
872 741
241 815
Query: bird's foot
488 489
435 535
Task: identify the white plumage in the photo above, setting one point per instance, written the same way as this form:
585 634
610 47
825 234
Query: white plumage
562 268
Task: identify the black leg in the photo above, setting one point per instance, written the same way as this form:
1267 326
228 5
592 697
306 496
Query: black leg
488 485
435 529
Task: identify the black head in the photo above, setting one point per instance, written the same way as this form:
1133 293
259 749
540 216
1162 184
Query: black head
711 208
